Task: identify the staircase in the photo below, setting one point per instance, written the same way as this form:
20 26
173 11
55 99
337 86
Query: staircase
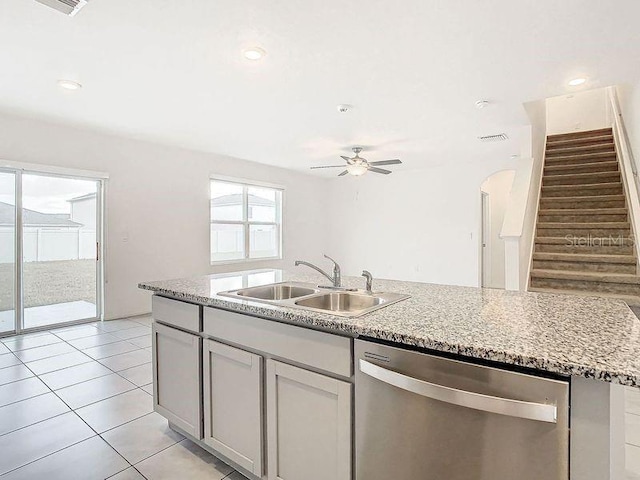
583 241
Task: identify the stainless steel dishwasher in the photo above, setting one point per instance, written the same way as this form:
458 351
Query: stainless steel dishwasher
423 417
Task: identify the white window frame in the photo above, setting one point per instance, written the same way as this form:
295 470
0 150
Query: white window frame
245 222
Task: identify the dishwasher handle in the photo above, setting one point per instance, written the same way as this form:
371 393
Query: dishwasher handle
502 406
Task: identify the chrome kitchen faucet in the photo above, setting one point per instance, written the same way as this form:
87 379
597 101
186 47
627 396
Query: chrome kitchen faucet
336 279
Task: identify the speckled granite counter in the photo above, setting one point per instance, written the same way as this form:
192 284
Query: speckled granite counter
568 335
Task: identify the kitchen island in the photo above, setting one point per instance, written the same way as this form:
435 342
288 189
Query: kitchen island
592 343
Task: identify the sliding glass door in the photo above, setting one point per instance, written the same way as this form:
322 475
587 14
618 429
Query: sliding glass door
53 277
7 252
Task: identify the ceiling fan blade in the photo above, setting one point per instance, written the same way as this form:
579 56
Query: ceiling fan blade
386 162
346 159
327 166
379 170
343 173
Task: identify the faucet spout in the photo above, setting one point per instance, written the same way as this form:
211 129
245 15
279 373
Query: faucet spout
335 279
369 280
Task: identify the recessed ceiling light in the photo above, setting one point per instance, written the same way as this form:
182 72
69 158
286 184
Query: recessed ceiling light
254 53
480 104
577 81
69 85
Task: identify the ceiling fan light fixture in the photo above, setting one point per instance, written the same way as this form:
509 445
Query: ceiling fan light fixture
357 169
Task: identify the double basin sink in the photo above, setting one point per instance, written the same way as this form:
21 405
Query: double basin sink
345 303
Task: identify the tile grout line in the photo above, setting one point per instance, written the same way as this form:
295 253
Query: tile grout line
116 371
136 387
72 410
36 423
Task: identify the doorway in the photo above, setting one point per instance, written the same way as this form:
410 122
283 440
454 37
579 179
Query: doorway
494 194
485 236
50 250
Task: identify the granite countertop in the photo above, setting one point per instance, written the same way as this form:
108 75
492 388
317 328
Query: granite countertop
568 335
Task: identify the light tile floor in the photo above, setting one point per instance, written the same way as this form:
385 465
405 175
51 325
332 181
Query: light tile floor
75 403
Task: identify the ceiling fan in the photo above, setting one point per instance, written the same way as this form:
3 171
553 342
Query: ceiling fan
359 166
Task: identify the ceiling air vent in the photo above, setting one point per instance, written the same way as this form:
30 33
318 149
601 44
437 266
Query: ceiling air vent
500 137
68 7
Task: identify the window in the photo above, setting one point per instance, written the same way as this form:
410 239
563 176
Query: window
246 222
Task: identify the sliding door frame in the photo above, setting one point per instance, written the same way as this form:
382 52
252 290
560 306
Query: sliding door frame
100 179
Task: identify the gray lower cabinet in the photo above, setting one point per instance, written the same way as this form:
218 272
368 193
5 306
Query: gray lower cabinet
308 424
176 377
232 381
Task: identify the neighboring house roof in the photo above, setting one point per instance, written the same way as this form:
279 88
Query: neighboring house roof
236 199
88 196
31 218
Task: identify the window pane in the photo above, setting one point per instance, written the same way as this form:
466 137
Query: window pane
227 242
58 249
226 201
7 251
264 241
264 204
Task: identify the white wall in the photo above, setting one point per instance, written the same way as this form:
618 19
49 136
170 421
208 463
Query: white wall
152 187
498 188
629 98
577 112
420 225
537 113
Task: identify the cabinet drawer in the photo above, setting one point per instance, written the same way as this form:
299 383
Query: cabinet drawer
179 314
324 351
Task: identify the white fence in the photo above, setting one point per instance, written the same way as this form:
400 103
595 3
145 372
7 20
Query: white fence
46 245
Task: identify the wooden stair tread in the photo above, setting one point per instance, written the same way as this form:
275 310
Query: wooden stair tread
593 186
629 299
581 149
563 240
586 257
588 197
573 141
577 176
581 134
583 211
584 225
581 165
577 158
600 277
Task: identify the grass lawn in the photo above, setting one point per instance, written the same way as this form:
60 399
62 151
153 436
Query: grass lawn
47 283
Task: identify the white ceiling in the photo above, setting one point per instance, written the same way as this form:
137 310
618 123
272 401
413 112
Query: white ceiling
172 71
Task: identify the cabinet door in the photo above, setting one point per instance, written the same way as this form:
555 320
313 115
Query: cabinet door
308 425
233 404
176 378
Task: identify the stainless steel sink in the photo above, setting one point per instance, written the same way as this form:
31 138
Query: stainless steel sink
308 297
349 304
280 291
341 302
